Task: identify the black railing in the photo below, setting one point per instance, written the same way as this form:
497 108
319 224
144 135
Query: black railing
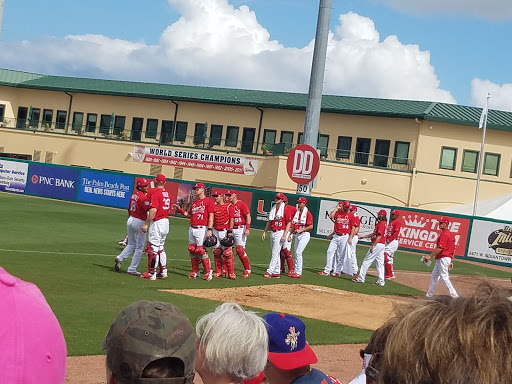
180 138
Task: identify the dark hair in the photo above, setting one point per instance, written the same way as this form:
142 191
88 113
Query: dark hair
167 367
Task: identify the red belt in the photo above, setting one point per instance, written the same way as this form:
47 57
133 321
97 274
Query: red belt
238 226
342 234
275 230
198 226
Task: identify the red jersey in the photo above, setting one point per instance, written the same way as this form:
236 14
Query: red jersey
200 210
139 205
279 223
221 216
446 241
239 212
309 221
343 222
393 230
357 220
161 200
380 229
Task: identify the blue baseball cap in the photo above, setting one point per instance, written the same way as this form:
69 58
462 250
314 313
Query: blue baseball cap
288 348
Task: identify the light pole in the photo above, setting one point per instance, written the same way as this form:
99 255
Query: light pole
1 16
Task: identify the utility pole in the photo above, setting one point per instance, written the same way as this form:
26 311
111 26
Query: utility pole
1 16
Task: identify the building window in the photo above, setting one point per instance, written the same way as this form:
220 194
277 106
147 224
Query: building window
47 118
448 158
344 147
231 136
60 120
105 121
166 132
215 135
401 154
34 117
491 164
269 139
181 131
92 119
78 121
469 161
2 112
200 133
323 145
287 140
151 128
119 123
21 118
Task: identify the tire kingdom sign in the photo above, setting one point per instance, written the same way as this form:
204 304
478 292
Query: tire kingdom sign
303 164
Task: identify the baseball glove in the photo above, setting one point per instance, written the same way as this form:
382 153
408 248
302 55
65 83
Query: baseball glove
210 241
228 241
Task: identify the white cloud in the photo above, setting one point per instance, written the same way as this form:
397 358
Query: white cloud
495 10
215 44
501 95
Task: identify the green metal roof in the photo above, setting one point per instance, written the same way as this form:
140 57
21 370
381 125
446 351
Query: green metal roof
425 110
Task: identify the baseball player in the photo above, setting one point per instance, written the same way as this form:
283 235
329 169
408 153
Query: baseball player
138 213
157 227
302 224
392 233
444 259
221 218
201 222
286 246
376 251
343 223
280 225
350 262
239 223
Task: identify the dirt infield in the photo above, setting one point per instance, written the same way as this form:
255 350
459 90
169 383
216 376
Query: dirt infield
341 361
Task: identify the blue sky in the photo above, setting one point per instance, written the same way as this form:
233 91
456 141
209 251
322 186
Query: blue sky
451 50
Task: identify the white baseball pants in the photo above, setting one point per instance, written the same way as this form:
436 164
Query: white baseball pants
378 256
239 236
335 251
350 261
219 235
390 249
440 271
275 245
196 235
157 233
136 240
301 241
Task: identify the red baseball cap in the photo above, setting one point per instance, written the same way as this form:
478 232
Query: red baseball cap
444 220
199 185
382 212
281 196
353 208
255 380
395 212
302 200
217 193
142 182
160 178
345 203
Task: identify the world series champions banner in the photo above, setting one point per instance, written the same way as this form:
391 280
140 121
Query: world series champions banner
219 162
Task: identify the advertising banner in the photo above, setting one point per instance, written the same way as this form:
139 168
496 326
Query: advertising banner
105 188
213 161
367 214
420 231
13 176
491 241
263 201
52 181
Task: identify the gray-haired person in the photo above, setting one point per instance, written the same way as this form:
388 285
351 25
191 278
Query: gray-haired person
150 342
232 345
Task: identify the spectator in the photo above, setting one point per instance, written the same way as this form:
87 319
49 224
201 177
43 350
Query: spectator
32 346
150 340
232 345
461 340
289 355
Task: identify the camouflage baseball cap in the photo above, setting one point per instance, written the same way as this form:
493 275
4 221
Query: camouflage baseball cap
146 331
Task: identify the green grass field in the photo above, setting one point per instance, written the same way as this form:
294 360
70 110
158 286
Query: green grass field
68 251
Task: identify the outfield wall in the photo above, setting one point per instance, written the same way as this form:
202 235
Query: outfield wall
478 239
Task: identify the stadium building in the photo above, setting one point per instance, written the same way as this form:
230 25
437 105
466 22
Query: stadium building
395 152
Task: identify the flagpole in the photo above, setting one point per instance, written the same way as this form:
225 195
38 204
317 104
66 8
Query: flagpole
483 124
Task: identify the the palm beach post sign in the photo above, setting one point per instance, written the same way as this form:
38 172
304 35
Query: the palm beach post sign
219 162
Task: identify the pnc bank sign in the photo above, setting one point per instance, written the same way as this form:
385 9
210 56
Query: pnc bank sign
303 164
